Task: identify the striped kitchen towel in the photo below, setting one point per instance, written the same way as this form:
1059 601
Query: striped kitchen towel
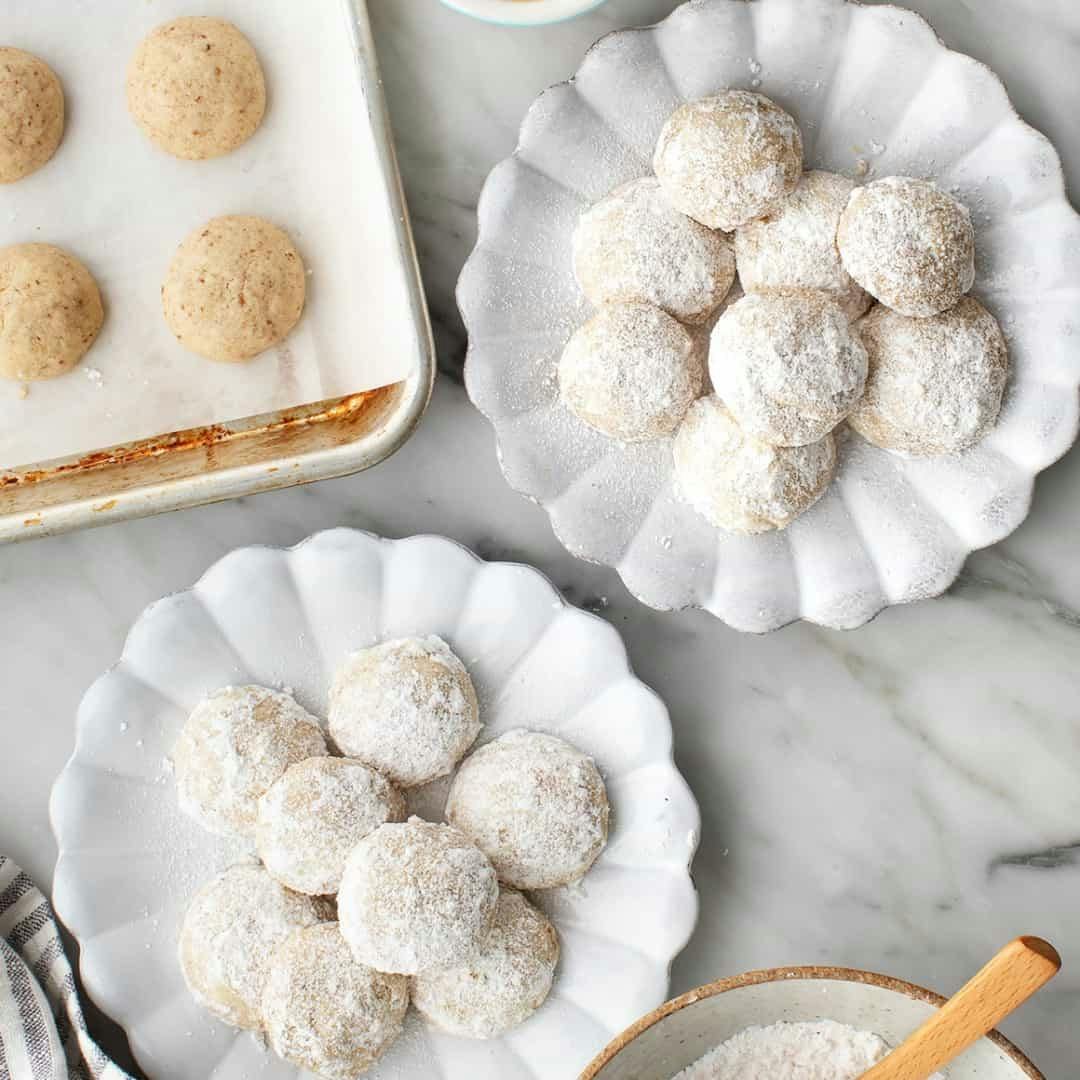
43 1032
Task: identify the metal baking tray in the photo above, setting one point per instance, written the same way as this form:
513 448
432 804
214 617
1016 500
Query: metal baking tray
259 453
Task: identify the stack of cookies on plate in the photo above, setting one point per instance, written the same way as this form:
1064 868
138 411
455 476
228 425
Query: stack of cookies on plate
355 908
805 349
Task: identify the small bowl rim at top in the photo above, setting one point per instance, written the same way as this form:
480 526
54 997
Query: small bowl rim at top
788 974
531 15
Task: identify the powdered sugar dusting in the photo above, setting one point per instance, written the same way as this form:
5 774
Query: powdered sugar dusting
740 484
633 245
416 896
787 365
631 372
535 805
406 707
503 984
809 1050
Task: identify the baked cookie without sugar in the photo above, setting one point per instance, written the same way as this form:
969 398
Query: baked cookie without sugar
50 312
228 936
326 1013
743 485
196 88
235 288
31 114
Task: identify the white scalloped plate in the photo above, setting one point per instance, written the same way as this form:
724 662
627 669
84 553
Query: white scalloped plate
130 861
870 83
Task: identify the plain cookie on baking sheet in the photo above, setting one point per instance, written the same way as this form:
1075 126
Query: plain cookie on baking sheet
236 287
31 114
50 312
196 88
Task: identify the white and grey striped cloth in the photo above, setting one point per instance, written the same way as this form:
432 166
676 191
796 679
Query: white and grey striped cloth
43 1032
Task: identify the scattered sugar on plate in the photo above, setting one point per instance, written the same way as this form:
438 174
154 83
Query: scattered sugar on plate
812 1050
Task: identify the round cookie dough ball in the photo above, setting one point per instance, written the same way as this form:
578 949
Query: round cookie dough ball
936 384
740 484
196 89
235 288
31 114
728 159
406 707
535 805
228 935
794 247
315 814
50 312
908 244
326 1013
415 897
787 364
503 984
236 743
631 372
634 246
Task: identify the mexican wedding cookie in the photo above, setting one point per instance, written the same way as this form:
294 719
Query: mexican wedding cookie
315 814
406 707
326 1013
908 244
196 89
743 485
416 897
31 114
631 372
236 743
787 364
728 159
503 984
235 288
228 936
535 805
794 247
50 312
634 245
936 384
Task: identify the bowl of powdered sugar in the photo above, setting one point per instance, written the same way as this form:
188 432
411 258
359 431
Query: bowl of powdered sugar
791 1024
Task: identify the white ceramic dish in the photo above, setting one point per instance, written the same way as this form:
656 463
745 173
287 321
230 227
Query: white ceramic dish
869 84
130 861
523 12
681 1031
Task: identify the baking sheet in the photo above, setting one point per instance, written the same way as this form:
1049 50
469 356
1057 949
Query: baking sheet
122 206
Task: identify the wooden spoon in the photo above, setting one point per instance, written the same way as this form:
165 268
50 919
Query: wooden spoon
1015 974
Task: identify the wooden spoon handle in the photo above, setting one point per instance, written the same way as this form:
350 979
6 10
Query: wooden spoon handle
1018 971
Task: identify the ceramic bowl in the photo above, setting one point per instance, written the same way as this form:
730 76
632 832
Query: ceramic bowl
130 860
875 93
523 12
675 1035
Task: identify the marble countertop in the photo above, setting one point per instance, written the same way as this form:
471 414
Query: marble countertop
903 798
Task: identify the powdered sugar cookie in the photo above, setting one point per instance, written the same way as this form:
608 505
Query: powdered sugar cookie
787 365
50 312
416 897
635 246
794 247
235 288
503 984
31 114
741 484
935 384
908 244
326 1013
196 88
228 936
631 372
405 707
728 159
535 805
